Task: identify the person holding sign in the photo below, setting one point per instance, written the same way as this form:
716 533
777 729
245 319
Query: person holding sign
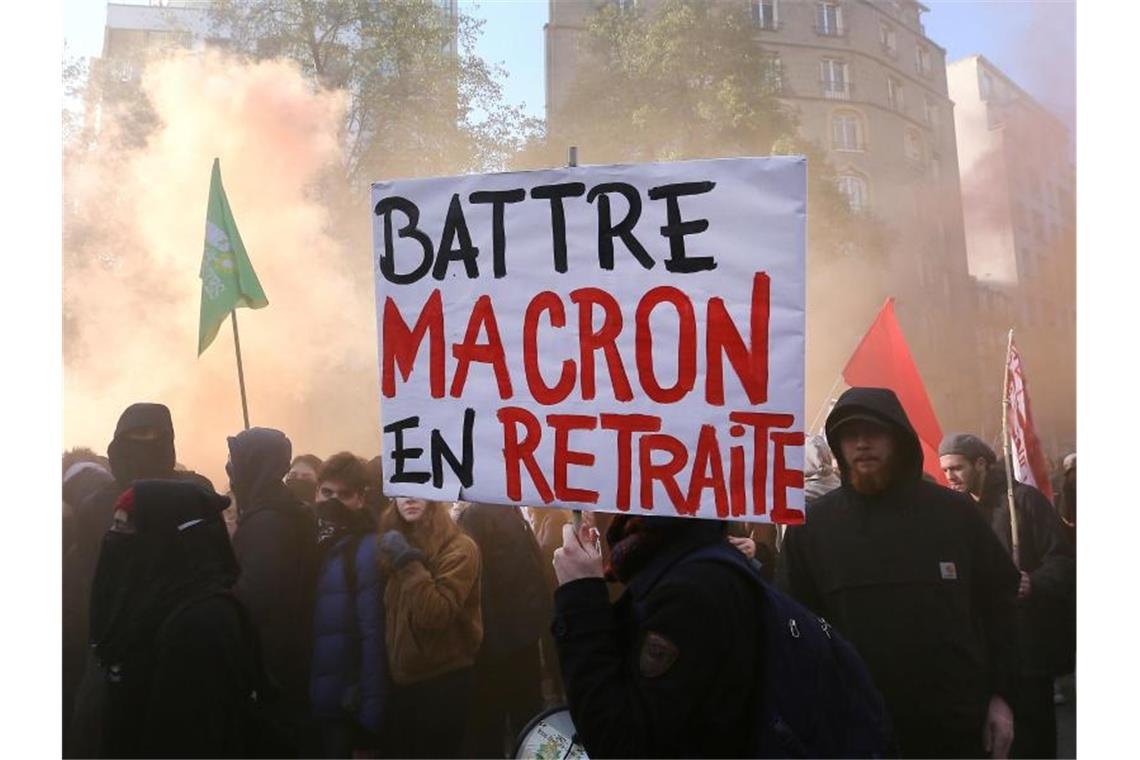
434 626
913 576
670 670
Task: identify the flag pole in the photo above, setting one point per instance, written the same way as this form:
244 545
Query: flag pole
1014 542
241 374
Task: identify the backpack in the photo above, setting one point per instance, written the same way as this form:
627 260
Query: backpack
816 696
263 735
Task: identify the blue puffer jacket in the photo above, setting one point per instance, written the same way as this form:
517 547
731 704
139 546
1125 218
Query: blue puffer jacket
335 686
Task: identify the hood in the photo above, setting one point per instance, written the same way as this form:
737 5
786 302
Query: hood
133 460
83 479
883 405
259 459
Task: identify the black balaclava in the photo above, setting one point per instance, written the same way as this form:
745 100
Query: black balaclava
634 540
179 550
138 460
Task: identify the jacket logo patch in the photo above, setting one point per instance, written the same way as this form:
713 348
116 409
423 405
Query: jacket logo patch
949 571
657 655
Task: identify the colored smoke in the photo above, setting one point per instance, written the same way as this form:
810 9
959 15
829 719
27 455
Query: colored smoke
134 226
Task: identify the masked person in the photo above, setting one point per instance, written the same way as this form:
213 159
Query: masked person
434 626
83 474
915 579
177 653
276 546
142 448
302 477
670 669
1045 610
349 689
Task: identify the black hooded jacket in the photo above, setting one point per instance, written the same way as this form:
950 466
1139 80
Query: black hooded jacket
276 546
175 651
669 670
130 460
1047 617
917 582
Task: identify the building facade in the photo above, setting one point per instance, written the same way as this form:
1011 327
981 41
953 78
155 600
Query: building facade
1019 207
870 87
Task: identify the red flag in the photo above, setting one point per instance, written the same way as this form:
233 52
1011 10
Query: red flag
1028 459
883 360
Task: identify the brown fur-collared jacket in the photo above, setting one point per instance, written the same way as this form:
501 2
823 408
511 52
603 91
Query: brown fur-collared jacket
433 620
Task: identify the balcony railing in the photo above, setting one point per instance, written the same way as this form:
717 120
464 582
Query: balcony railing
830 31
834 90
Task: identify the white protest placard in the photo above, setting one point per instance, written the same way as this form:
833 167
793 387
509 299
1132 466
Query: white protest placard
614 338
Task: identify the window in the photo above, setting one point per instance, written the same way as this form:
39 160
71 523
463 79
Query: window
912 144
829 19
854 188
833 76
930 113
847 131
624 6
922 60
895 94
772 73
766 13
887 39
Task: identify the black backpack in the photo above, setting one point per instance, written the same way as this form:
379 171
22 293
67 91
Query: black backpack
816 698
262 732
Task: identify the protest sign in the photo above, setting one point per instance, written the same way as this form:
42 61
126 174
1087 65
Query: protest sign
614 338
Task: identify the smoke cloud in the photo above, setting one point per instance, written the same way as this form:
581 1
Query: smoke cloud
134 247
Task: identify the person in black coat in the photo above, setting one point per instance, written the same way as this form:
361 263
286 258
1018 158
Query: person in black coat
1046 596
516 609
83 474
177 657
670 670
142 448
914 578
276 547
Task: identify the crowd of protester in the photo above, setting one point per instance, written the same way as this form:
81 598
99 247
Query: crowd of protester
301 613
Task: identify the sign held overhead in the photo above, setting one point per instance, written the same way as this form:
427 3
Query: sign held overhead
615 338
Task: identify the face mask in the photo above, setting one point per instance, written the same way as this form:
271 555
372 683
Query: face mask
305 490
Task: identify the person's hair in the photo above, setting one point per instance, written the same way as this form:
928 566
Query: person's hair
312 460
83 454
347 468
430 534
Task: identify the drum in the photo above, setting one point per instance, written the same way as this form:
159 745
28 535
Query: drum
550 736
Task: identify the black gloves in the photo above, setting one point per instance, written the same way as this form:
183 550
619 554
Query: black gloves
396 551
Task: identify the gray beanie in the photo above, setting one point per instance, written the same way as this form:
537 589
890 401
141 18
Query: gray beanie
967 445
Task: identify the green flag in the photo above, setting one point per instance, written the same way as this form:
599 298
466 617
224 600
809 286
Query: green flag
228 279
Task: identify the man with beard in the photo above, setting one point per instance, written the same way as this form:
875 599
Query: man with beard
1045 611
915 579
276 546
